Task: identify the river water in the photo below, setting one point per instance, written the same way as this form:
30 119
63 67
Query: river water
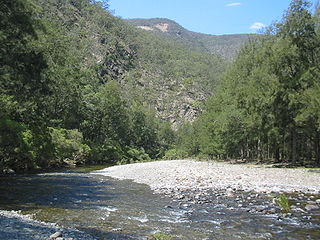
107 208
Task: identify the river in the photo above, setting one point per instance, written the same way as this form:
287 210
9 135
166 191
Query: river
106 208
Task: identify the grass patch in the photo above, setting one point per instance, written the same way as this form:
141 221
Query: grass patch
160 236
283 203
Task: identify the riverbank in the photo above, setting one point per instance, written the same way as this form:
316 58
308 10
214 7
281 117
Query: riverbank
16 226
166 176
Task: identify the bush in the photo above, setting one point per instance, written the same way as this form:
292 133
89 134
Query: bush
17 148
175 154
69 145
138 155
160 236
108 152
284 203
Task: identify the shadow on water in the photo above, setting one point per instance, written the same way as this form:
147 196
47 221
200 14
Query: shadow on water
51 190
110 209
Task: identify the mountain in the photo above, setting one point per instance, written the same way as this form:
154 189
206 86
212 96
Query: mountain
225 46
159 72
79 84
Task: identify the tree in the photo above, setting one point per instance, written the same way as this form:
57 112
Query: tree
23 87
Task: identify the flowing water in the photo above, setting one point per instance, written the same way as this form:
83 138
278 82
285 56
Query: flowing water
111 209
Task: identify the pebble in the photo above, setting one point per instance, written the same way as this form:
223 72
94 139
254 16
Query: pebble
310 207
189 174
260 209
271 211
116 230
56 235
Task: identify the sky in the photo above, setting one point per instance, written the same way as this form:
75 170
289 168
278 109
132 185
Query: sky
215 17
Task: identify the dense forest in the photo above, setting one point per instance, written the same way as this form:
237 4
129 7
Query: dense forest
267 105
60 93
80 86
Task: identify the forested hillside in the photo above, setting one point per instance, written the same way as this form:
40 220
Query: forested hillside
267 104
225 46
79 85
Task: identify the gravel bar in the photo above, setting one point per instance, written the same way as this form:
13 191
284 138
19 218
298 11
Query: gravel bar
164 176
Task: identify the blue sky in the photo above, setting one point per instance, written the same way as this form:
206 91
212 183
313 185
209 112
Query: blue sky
207 16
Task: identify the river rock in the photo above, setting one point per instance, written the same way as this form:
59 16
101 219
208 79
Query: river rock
310 207
229 192
116 230
297 209
8 171
56 235
260 209
271 211
318 201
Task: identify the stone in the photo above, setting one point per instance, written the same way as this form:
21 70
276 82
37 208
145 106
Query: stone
271 211
260 209
56 235
310 207
229 192
8 171
117 229
318 201
299 210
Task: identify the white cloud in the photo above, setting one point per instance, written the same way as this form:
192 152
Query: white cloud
233 4
257 26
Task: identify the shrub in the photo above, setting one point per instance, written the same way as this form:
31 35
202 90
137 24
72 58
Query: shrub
172 154
160 236
69 145
284 203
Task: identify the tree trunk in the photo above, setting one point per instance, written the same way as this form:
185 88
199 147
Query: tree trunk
259 150
317 148
277 154
293 151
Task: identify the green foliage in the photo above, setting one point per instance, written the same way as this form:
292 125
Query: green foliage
173 154
283 203
69 145
265 106
61 91
160 236
187 140
78 83
134 155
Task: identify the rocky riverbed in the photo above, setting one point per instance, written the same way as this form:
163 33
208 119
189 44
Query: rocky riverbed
195 182
164 176
15 226
198 200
